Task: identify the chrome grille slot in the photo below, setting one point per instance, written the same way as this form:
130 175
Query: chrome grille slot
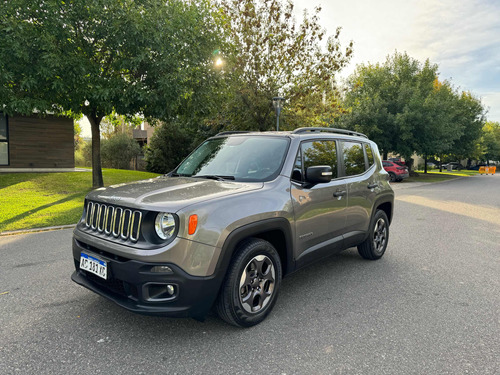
100 217
93 218
125 224
135 225
89 214
118 222
108 219
117 219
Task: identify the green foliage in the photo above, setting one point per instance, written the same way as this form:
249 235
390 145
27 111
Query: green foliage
402 106
490 141
272 56
118 151
148 57
170 144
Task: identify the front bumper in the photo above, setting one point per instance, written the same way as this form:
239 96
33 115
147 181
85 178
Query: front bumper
129 284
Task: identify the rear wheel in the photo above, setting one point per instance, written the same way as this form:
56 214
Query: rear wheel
392 176
374 246
252 283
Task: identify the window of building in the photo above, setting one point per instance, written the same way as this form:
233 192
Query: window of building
4 140
354 158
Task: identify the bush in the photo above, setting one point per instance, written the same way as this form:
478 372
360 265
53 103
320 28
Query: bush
83 154
118 151
170 143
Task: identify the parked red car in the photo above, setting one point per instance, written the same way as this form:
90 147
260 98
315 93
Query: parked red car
397 171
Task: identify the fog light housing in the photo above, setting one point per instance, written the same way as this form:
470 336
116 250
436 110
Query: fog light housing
161 269
156 292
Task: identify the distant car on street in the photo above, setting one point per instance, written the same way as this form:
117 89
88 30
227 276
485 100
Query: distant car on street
431 165
396 171
476 167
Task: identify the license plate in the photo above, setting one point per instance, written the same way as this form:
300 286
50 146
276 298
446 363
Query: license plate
91 264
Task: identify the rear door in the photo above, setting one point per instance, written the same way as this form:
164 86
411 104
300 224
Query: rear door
362 187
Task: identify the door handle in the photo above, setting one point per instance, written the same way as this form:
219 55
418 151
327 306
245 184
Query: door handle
339 193
372 186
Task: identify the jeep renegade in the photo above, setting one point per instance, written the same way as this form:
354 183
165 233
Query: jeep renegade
242 211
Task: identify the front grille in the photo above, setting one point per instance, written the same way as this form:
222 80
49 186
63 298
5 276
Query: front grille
113 221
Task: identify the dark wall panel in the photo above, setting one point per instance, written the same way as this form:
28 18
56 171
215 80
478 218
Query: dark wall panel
41 142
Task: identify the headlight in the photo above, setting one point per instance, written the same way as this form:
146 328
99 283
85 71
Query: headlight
165 225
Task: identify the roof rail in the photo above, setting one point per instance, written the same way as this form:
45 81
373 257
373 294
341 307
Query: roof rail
232 132
328 130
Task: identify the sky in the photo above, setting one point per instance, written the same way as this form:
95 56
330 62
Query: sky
461 36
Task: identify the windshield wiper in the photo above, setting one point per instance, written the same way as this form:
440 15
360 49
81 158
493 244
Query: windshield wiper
173 174
215 177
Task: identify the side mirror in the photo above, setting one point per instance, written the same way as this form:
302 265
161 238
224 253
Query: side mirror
319 174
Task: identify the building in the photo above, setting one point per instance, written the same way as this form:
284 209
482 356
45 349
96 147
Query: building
35 143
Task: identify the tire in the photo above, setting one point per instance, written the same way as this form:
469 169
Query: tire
374 246
252 283
392 176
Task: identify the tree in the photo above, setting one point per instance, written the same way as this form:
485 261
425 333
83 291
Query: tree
470 115
402 106
147 57
170 143
387 100
490 141
272 56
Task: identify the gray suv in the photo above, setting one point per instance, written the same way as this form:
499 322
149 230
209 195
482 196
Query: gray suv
242 211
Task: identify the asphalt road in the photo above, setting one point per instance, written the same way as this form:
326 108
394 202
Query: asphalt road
430 306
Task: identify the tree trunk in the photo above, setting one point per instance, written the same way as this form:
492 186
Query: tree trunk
425 164
97 180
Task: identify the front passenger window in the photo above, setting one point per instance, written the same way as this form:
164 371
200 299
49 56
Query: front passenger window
320 153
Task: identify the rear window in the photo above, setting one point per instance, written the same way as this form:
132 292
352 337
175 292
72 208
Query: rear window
354 158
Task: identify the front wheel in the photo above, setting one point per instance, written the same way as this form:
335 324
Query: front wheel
374 246
252 283
392 176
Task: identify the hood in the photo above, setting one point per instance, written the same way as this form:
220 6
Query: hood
169 193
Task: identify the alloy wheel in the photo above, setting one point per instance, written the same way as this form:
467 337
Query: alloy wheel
257 284
379 236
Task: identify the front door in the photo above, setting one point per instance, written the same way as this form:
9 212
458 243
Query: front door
320 209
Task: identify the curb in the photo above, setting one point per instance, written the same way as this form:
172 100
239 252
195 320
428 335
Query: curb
36 230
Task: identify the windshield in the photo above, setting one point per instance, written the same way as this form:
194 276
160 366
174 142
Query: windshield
240 158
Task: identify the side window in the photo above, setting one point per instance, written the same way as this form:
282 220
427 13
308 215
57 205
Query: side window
320 153
354 158
386 164
369 154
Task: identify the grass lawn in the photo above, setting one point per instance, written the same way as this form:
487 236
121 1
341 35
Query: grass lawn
36 200
436 176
